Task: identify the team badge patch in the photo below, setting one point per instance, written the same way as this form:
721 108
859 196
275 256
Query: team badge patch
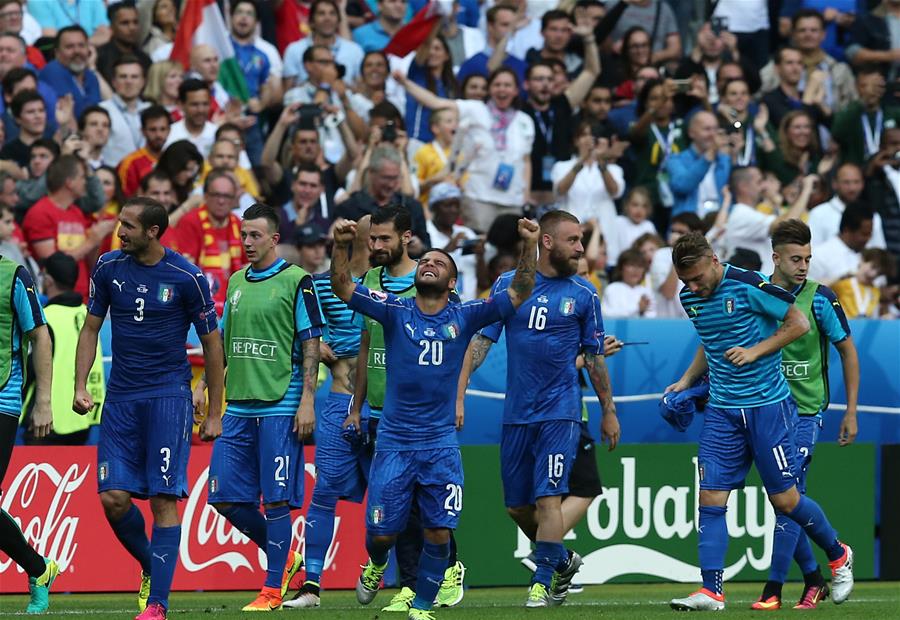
729 305
103 471
377 514
213 484
567 306
451 330
165 293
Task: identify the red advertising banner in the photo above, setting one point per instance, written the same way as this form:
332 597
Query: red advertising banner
52 493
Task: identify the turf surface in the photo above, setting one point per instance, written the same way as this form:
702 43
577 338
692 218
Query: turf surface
870 600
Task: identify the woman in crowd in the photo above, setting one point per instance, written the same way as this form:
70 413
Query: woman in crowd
635 54
162 18
182 162
797 152
734 116
475 87
432 68
163 81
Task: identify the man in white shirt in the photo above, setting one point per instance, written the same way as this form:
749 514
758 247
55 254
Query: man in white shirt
749 228
662 277
125 107
840 256
194 99
749 21
825 219
324 21
460 242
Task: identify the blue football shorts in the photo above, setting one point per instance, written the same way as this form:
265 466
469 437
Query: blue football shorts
342 469
536 460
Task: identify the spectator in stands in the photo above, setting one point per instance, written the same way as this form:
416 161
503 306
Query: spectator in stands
496 149
557 28
792 93
711 51
553 138
88 15
635 55
325 22
697 174
182 162
225 155
624 113
876 39
374 85
69 73
12 23
94 126
631 225
9 244
857 127
163 82
595 109
825 220
29 113
155 126
798 152
432 162
626 296
501 19
475 87
161 19
658 20
158 186
883 187
735 117
210 236
432 68
461 32
14 55
55 223
310 241
125 40
859 294
840 256
124 108
807 36
749 21
33 186
462 243
749 228
588 184
382 189
308 205
194 99
376 34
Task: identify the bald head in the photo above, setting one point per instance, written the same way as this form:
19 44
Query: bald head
205 62
702 130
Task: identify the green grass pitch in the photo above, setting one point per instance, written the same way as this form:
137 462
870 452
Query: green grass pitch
870 600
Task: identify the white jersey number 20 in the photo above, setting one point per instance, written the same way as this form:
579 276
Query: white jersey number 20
432 353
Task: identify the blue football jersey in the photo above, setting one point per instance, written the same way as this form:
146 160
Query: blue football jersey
424 354
561 319
151 309
28 315
744 310
343 332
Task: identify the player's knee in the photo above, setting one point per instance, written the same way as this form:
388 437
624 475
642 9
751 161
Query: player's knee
437 536
551 503
115 504
786 501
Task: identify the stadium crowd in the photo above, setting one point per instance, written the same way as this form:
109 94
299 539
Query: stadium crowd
644 122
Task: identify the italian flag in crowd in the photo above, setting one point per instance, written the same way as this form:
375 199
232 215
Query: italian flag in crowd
413 34
202 23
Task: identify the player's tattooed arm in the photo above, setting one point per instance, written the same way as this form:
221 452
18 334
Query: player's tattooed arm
475 354
305 420
341 278
523 281
480 347
599 375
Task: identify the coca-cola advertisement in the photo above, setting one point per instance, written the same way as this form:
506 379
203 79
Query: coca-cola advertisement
52 493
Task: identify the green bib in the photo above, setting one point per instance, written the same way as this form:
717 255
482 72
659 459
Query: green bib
7 318
66 322
260 333
804 362
375 363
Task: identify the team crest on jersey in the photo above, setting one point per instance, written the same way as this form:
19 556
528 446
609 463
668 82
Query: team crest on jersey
213 484
142 288
567 306
166 293
729 305
377 514
542 299
103 471
451 330
378 295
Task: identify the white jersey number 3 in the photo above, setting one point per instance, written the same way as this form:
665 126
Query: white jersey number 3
432 353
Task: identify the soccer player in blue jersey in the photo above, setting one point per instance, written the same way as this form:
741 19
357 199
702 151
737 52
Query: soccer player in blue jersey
271 324
805 366
153 296
542 410
21 315
342 458
751 416
417 456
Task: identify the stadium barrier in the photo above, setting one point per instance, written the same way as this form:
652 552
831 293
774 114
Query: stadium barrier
641 529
